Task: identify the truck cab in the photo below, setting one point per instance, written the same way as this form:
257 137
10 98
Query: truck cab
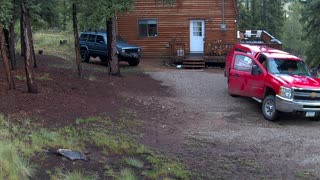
280 81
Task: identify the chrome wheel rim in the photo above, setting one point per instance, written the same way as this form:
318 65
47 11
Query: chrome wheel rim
269 108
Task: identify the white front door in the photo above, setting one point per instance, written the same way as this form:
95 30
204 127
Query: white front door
197 34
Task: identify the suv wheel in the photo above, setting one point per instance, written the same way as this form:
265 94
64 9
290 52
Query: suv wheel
103 58
84 55
133 62
269 108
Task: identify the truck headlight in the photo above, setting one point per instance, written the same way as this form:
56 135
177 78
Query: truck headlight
123 51
139 50
285 92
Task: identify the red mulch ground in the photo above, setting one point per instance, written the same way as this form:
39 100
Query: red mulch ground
63 97
66 97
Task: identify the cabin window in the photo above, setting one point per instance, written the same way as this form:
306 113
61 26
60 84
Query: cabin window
148 28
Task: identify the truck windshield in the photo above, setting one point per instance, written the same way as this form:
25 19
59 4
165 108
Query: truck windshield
285 66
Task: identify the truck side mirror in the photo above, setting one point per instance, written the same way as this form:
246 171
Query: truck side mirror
256 70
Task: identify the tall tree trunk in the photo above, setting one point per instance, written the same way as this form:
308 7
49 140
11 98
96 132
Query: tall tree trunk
32 85
34 60
21 35
65 12
76 38
115 70
109 46
5 59
35 65
12 47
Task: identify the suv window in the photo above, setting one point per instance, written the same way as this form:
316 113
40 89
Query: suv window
91 38
99 39
83 37
243 63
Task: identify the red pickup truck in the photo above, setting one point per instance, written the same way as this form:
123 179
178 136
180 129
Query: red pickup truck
280 81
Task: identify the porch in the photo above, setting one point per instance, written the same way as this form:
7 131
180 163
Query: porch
215 51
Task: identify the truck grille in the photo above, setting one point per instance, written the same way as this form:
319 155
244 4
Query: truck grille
129 51
306 95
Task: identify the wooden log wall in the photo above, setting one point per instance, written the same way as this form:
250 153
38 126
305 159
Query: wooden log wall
174 21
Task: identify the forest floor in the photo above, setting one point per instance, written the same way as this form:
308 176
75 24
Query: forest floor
154 121
99 104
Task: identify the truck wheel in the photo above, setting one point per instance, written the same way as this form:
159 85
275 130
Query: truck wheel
269 108
103 58
84 55
134 62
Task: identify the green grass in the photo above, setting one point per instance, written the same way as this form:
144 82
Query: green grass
20 142
12 165
21 78
127 174
75 175
302 174
43 77
50 44
132 69
88 120
91 78
133 162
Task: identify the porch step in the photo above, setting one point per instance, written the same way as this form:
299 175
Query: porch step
192 63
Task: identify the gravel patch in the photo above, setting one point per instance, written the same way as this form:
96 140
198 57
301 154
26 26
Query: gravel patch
231 135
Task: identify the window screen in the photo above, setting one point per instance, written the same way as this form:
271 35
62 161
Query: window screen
197 28
148 28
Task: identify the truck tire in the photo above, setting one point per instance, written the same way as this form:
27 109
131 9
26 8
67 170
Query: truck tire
84 55
269 108
103 58
134 62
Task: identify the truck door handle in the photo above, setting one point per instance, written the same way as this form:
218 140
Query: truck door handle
236 75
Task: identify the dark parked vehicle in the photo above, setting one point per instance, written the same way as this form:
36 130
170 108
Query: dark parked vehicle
94 44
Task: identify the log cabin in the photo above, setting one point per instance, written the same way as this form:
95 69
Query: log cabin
196 28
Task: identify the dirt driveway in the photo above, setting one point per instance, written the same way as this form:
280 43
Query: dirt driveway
192 118
228 137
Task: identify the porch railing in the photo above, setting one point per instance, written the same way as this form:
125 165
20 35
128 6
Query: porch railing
216 50
177 51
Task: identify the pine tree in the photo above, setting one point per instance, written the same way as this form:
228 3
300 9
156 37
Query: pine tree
261 15
311 21
292 33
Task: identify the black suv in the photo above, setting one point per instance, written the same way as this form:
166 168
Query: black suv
94 44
